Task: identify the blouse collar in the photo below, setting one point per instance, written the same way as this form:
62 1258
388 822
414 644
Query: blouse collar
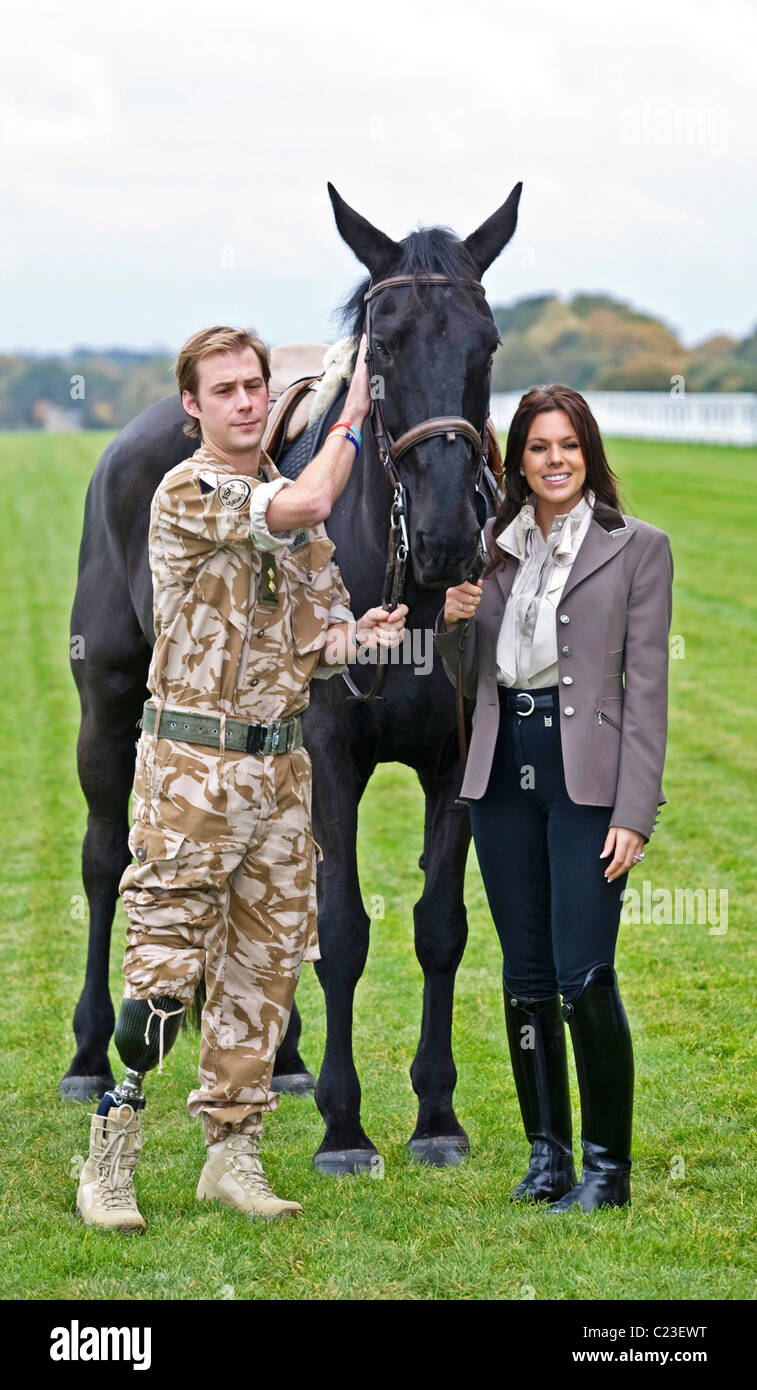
514 538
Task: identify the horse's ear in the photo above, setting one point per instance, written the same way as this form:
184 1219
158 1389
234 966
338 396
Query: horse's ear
371 246
493 235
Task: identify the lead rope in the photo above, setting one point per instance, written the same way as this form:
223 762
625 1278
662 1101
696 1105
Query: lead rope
163 1016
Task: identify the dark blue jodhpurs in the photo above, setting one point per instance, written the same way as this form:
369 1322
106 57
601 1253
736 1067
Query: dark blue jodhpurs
555 913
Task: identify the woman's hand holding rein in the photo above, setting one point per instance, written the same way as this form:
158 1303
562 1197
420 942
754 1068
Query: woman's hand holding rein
461 602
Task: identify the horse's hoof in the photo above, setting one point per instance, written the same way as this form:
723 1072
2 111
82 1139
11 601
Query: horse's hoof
445 1151
338 1162
84 1088
296 1083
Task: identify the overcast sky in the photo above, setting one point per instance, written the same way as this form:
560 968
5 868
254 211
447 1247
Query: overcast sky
165 163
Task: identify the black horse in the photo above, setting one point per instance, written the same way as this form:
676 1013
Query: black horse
432 345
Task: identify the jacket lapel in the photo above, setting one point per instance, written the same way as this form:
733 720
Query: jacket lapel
608 533
505 576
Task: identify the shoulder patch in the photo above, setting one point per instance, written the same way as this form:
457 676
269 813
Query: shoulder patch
208 481
300 539
233 493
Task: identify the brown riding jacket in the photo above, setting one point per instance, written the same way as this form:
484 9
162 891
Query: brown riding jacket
613 624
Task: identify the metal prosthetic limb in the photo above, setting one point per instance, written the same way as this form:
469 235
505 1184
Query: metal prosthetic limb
146 1029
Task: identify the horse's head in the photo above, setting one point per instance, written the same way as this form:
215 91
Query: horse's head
432 346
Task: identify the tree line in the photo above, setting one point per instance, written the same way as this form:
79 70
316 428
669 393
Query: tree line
589 342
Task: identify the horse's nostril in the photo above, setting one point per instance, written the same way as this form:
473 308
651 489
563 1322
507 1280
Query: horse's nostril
443 555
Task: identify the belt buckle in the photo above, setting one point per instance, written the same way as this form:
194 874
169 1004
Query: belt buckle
252 744
273 736
524 695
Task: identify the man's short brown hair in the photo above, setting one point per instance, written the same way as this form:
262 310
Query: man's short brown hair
203 344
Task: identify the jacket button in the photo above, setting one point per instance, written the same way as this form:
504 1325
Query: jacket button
564 618
569 710
260 632
567 680
140 852
310 575
567 651
255 681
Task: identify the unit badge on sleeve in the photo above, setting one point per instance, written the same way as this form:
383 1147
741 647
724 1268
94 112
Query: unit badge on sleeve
233 493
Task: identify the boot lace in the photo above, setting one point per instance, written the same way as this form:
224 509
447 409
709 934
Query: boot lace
247 1168
114 1168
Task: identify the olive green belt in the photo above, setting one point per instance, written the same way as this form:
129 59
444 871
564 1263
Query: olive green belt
280 736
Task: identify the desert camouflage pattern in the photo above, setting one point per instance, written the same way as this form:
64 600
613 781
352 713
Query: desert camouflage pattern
224 878
240 615
224 883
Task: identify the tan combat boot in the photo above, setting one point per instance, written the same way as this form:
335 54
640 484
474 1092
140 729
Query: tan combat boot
106 1196
233 1174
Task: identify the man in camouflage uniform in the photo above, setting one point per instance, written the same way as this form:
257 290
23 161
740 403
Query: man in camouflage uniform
224 882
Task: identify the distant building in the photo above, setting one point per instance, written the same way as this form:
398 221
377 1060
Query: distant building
55 419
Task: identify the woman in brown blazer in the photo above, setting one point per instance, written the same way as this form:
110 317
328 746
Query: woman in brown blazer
564 647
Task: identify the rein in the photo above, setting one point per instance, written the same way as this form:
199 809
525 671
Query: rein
390 451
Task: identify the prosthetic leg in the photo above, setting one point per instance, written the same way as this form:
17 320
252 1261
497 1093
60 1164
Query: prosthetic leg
536 1036
145 1031
604 1063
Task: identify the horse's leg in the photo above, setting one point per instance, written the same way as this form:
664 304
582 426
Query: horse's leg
106 752
290 1073
343 931
441 930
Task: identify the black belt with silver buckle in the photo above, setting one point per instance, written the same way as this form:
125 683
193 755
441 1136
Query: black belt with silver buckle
524 702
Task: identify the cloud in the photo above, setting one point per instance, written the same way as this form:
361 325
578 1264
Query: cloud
142 146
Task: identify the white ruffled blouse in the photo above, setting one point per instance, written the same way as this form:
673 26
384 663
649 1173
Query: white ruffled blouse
527 641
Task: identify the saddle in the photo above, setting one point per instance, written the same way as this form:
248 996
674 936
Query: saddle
296 372
299 372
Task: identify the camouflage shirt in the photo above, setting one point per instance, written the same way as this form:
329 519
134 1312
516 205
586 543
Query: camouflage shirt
240 615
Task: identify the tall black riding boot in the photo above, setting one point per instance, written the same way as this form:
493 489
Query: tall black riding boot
604 1063
536 1035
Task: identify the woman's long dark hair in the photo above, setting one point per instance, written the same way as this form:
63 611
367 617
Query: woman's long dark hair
599 476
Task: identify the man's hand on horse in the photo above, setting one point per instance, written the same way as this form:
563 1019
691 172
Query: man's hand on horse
461 602
358 401
380 628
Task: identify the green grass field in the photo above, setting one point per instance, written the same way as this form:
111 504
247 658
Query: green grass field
416 1233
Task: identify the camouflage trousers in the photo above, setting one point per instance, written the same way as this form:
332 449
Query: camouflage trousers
224 884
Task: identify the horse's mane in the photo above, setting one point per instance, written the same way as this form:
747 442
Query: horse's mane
428 251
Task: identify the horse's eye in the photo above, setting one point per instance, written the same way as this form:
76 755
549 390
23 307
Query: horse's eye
379 347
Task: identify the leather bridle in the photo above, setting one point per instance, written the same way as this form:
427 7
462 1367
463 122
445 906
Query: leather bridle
391 450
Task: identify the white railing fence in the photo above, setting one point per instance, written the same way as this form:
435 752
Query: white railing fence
705 417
